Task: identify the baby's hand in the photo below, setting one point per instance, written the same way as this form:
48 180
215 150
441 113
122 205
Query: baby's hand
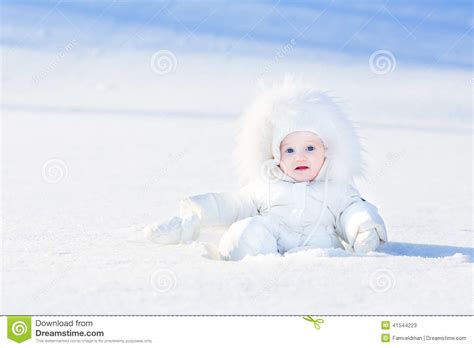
190 224
167 232
366 241
174 230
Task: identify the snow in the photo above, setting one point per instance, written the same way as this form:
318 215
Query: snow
100 145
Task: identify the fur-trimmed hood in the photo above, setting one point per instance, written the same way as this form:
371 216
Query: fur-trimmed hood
288 106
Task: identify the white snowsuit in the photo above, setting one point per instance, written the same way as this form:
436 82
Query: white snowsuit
276 217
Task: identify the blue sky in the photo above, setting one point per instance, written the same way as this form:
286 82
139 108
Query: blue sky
423 32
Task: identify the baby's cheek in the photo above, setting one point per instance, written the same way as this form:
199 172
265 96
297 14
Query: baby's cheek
286 167
318 159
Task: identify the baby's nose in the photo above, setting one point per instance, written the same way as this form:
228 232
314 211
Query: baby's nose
301 158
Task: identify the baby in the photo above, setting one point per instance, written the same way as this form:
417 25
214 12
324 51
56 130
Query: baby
298 155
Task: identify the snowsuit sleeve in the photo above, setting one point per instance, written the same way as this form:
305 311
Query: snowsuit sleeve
358 215
221 208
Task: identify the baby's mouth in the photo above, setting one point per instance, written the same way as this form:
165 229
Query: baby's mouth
302 168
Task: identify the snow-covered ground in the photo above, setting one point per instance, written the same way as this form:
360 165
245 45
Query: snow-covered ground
96 144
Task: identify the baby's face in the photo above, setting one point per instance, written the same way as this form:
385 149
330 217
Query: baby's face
302 155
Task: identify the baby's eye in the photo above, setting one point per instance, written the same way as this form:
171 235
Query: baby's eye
289 150
310 148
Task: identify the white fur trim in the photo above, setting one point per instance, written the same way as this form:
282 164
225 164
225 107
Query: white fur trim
289 106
